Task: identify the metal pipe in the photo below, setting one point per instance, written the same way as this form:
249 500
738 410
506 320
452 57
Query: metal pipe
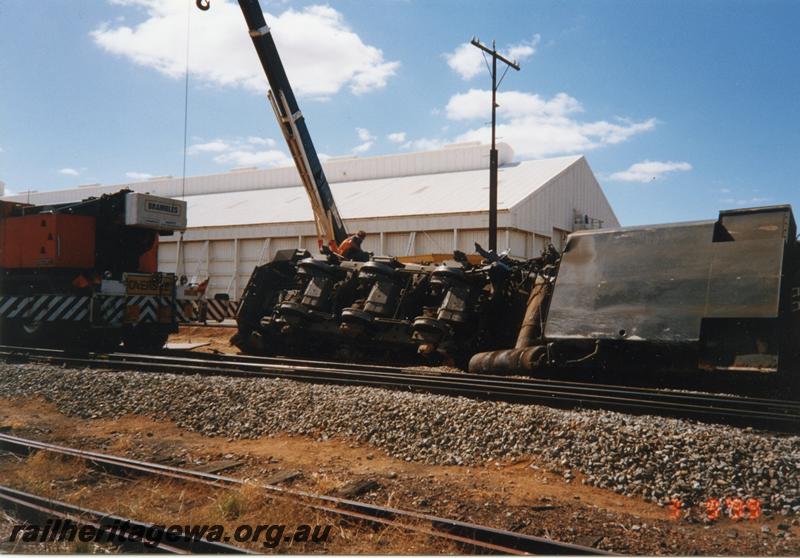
532 327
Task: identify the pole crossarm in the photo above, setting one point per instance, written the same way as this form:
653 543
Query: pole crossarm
494 53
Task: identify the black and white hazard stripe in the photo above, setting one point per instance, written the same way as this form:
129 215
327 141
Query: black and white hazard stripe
51 308
186 310
148 306
221 309
47 308
112 309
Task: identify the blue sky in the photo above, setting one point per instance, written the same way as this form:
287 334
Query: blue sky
682 108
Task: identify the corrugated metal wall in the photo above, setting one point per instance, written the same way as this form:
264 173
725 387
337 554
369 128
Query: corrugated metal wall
228 262
554 205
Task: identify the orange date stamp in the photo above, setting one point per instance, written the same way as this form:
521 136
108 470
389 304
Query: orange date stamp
736 509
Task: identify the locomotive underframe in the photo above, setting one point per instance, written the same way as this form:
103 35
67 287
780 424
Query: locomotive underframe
380 310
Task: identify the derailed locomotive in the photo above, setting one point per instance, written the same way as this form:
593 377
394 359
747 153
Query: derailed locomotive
720 295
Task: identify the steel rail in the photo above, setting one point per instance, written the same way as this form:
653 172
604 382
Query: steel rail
36 507
491 382
471 534
472 385
775 414
494 379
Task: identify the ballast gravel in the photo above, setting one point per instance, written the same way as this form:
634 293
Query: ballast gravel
654 457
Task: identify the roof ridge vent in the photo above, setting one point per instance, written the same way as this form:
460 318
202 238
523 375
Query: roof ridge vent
461 145
342 158
243 169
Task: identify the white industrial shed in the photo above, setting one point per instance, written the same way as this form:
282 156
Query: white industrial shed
410 203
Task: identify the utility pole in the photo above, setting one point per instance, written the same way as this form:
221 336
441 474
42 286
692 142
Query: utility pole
493 153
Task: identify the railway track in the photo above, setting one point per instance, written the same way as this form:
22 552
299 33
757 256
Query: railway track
107 528
470 535
773 414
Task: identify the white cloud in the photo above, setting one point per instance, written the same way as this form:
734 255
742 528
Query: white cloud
363 147
367 140
321 53
397 137
424 144
524 50
468 61
69 171
138 175
215 146
364 135
647 171
745 201
257 140
538 127
245 158
2 150
465 60
242 152
477 103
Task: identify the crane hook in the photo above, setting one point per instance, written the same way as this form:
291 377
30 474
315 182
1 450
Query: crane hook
203 4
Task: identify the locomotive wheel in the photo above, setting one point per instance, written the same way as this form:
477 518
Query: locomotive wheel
32 328
32 333
144 339
109 342
93 340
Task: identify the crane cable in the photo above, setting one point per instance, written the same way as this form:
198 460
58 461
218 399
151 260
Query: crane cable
181 263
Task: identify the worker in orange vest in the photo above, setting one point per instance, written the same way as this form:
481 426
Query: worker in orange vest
351 249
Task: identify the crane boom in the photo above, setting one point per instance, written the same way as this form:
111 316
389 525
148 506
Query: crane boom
330 228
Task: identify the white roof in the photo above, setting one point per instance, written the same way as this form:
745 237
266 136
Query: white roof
451 180
424 194
451 158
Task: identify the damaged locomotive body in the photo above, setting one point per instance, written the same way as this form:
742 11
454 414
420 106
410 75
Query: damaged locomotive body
718 295
381 309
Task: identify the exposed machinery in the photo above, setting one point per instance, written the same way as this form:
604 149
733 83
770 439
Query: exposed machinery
84 275
715 295
384 309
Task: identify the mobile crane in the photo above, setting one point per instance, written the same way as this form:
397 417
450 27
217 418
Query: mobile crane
85 275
